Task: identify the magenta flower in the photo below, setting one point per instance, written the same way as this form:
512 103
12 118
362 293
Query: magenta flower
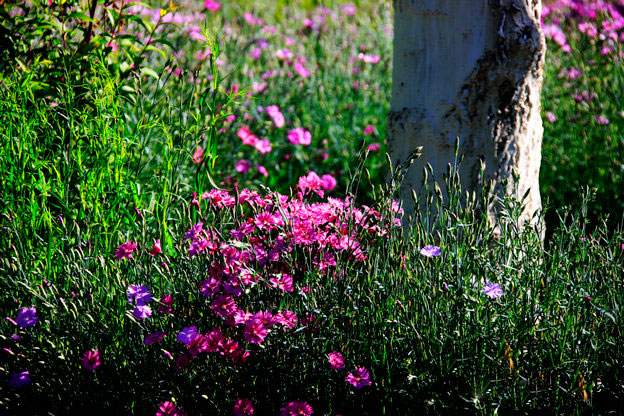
156 248
296 408
288 319
243 407
242 166
602 120
283 282
91 360
19 380
336 360
26 317
246 136
328 182
154 338
212 5
168 409
262 170
255 331
492 290
359 378
369 130
166 304
125 250
300 136
430 251
373 147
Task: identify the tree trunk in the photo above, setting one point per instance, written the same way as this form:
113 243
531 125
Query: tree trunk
469 70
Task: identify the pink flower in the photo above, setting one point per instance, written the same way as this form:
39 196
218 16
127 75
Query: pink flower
243 407
328 182
91 360
262 170
242 166
168 409
359 379
284 54
369 59
349 9
336 360
255 331
311 183
369 130
198 156
299 67
247 137
125 250
374 147
276 115
602 120
263 146
212 5
296 408
283 282
288 319
551 117
156 248
300 135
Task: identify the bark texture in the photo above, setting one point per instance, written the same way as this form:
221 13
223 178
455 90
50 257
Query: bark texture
469 70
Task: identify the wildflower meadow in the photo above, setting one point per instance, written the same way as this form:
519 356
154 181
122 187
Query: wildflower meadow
199 216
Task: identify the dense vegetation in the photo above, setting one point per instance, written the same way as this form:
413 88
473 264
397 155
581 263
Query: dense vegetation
195 218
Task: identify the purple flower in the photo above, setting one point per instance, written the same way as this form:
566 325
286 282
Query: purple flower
139 295
359 378
602 120
142 312
492 290
19 380
187 335
26 317
430 251
154 338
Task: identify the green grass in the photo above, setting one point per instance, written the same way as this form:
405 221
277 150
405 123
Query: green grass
79 154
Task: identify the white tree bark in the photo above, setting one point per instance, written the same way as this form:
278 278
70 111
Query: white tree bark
469 70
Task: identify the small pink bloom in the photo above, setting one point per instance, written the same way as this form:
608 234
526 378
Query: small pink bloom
156 248
359 378
247 137
242 166
262 170
276 115
283 282
369 130
551 117
297 408
125 250
198 156
243 407
212 5
328 182
300 135
255 331
301 69
168 409
336 360
263 146
91 360
602 120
